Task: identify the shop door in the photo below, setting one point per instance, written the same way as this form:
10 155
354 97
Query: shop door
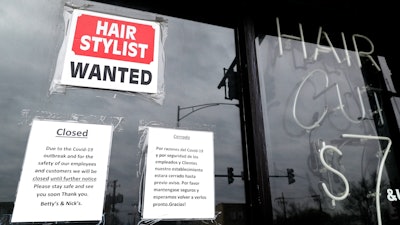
194 93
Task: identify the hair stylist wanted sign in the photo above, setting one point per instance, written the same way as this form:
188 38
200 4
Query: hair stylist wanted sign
111 52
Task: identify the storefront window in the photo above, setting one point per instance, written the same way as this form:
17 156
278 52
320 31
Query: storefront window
329 162
196 56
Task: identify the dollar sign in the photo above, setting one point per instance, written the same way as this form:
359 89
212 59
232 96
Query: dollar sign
327 166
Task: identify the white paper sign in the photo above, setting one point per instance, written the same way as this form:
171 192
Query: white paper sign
64 172
179 182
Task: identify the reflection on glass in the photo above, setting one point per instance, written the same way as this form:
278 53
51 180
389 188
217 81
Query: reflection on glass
320 121
195 55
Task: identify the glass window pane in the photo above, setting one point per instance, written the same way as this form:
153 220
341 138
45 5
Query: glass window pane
195 57
325 142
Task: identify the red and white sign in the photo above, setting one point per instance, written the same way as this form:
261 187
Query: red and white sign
111 52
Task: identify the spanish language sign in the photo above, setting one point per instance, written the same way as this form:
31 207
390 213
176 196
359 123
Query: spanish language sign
64 172
179 182
111 52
